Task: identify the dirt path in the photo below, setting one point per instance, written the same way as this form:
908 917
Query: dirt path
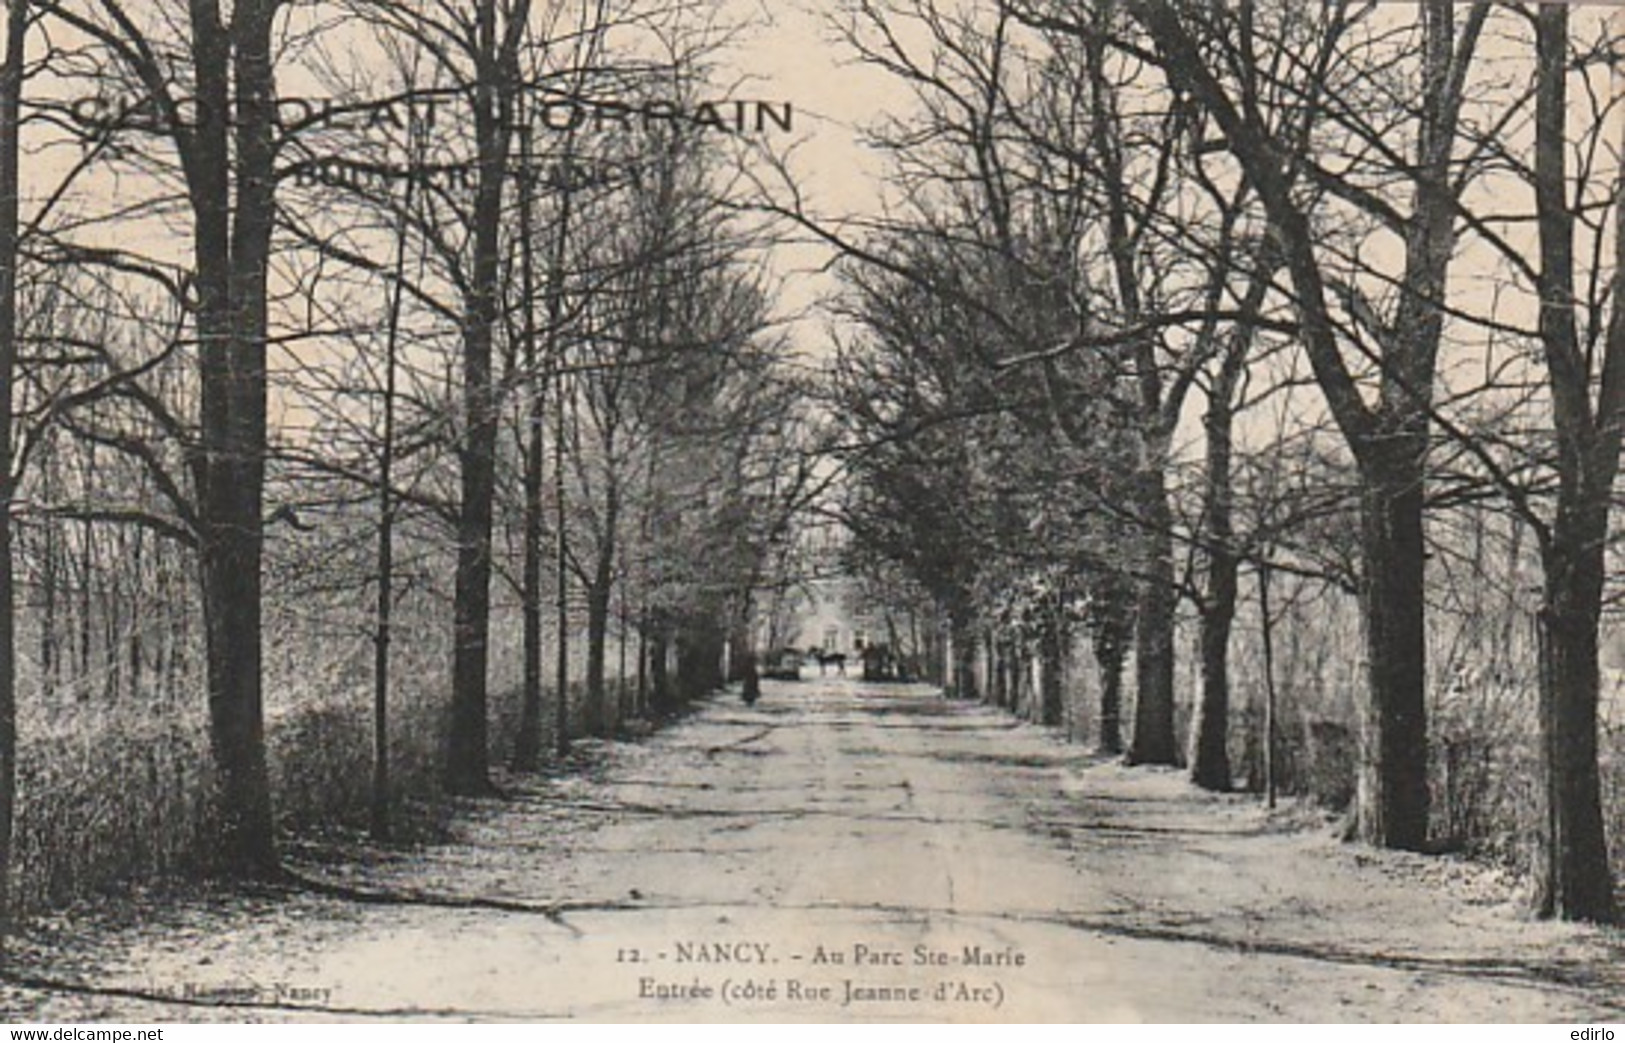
848 852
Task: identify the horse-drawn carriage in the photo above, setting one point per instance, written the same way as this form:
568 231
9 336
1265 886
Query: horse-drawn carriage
783 665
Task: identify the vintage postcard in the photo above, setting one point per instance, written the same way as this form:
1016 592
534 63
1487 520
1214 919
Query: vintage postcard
840 511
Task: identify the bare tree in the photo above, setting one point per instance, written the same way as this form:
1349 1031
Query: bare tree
495 38
11 93
1587 384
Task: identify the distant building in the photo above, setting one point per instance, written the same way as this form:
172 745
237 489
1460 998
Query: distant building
825 619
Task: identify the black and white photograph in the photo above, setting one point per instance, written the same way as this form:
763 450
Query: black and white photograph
834 511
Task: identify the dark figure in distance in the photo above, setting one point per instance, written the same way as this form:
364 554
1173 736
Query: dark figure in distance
750 687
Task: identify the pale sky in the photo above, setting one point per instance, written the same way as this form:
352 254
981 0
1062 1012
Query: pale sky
786 54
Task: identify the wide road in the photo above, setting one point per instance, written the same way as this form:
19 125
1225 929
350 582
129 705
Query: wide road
846 851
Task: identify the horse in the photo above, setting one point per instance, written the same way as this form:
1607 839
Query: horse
826 658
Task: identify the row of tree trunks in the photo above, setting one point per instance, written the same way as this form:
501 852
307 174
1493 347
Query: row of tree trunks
1388 439
1269 89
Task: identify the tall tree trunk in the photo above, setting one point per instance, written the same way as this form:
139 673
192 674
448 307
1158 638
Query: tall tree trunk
528 744
1210 761
995 669
660 693
385 605
625 708
232 257
385 610
86 579
1154 736
112 618
600 597
1392 792
136 640
561 534
1392 797
743 645
964 665
1110 740
561 541
11 90
596 711
640 694
1572 877
687 680
1018 671
1110 637
467 760
50 654
527 750
1268 741
1154 740
1051 703
50 555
